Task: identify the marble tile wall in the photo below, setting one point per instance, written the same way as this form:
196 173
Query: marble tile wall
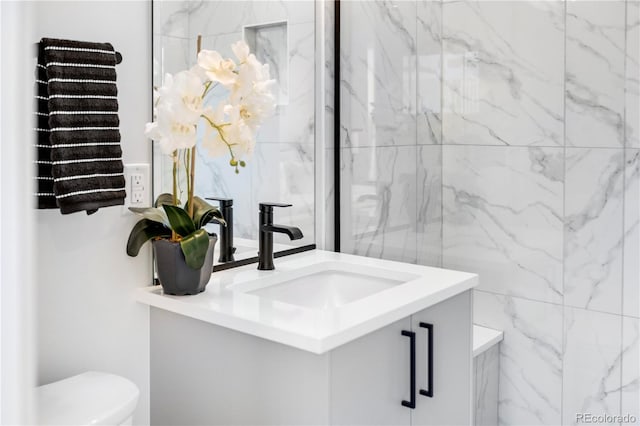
519 155
486 367
595 73
591 364
282 166
594 181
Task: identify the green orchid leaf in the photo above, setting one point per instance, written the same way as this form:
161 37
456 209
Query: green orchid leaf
142 232
152 213
194 247
180 221
204 213
165 198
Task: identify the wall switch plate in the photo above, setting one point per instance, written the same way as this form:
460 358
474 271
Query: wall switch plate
138 186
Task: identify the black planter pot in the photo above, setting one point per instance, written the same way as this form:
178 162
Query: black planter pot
175 276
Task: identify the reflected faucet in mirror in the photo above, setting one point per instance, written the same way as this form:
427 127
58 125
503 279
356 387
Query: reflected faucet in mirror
226 232
267 229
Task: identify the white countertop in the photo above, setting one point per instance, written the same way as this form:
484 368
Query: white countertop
313 330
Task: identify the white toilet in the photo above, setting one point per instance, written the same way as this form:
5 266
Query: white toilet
90 398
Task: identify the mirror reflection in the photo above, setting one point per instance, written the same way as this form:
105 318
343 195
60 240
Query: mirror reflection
281 168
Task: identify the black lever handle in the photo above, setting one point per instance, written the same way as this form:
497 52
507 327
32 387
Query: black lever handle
224 202
429 391
266 206
412 369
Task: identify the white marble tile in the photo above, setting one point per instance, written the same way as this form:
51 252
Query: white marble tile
630 404
285 173
378 73
503 70
502 210
487 377
294 121
631 273
270 44
216 178
294 11
219 42
591 373
530 357
632 82
429 72
429 215
378 192
593 228
595 73
219 17
329 203
329 70
171 18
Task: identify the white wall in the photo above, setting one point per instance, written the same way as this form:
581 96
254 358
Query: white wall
87 317
16 218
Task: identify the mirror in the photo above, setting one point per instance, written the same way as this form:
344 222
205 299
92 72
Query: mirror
281 34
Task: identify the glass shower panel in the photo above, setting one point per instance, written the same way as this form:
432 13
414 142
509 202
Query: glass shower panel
390 180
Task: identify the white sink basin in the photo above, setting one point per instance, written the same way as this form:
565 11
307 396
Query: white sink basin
326 285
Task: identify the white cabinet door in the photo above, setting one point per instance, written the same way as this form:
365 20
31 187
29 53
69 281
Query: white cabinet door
451 326
370 377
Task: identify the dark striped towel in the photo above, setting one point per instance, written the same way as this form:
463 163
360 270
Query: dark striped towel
79 157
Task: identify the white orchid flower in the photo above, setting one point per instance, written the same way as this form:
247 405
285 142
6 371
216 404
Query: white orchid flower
241 50
238 132
166 87
188 88
173 128
250 74
256 104
217 68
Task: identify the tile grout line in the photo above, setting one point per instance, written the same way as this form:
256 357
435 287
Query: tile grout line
564 202
418 151
624 197
470 145
441 133
560 305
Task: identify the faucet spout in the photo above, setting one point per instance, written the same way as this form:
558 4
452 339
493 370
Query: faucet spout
291 231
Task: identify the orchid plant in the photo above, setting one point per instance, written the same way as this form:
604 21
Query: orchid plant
182 105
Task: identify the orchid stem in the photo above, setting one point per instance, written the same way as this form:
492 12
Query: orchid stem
174 235
192 171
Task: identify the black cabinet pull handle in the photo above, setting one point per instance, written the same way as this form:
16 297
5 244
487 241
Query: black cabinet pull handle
412 369
429 391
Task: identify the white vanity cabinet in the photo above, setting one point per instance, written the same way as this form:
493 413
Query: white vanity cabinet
370 377
203 373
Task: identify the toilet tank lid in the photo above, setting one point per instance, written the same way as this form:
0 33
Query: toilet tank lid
91 398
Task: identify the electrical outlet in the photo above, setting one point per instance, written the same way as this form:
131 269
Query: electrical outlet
137 180
137 198
138 186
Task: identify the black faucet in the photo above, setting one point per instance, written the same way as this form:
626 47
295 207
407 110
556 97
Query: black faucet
226 232
267 228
